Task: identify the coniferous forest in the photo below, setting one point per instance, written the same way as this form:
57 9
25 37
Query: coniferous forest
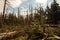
43 24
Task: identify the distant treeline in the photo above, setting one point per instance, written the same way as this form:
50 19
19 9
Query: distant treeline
49 15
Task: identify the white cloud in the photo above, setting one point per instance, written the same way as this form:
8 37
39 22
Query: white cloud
12 3
15 3
1 5
50 4
58 1
41 1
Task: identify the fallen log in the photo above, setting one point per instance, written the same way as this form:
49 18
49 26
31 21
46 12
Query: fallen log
55 37
4 36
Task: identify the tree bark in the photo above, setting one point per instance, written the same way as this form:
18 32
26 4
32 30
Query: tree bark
4 9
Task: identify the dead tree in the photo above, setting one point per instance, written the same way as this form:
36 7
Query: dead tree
18 13
4 9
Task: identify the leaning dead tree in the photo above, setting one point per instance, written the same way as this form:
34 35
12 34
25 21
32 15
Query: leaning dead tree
4 9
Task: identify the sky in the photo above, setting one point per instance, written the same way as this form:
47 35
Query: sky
24 4
1 6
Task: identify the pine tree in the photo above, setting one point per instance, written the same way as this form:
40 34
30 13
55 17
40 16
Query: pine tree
54 9
48 14
54 6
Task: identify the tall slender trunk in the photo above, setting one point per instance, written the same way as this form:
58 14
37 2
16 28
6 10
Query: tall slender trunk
18 13
4 9
27 17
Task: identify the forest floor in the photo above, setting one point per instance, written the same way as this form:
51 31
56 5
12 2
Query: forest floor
18 32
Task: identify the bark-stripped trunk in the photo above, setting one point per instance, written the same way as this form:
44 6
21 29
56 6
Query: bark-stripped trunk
4 9
18 13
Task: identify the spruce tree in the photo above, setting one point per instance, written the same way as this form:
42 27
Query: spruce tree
54 9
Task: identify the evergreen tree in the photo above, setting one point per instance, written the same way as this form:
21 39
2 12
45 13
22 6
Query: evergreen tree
54 10
54 6
48 14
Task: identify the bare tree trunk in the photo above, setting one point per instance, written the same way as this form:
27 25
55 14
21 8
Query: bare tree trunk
18 13
27 17
4 9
